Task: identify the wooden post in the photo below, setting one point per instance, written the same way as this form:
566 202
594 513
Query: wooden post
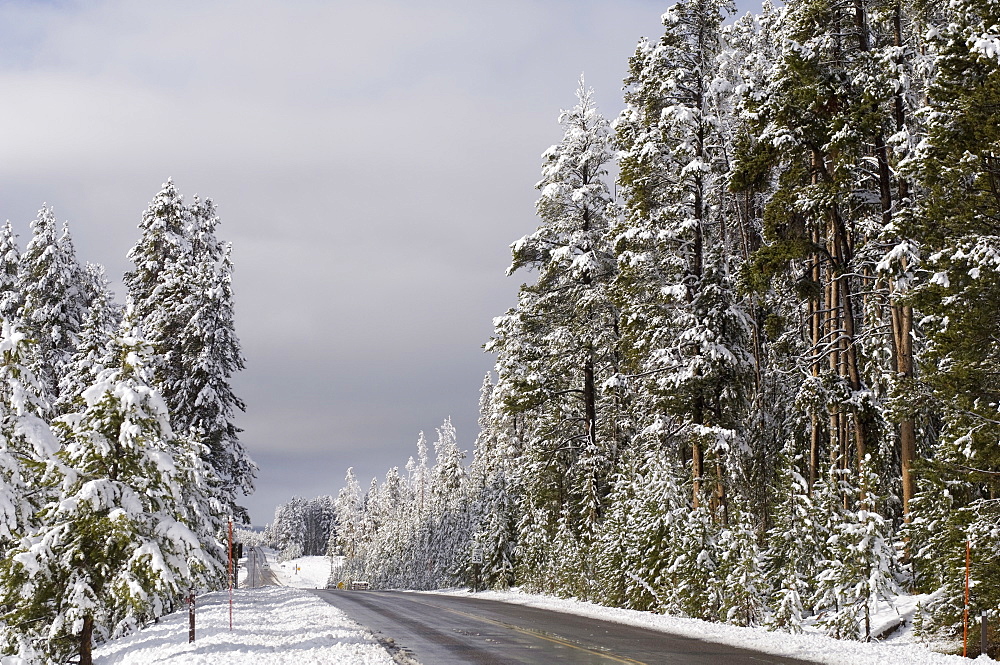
191 616
965 620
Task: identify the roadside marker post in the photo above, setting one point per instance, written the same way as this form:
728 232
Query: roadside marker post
477 564
190 600
965 618
982 633
230 576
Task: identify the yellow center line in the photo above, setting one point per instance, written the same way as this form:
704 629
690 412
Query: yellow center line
534 633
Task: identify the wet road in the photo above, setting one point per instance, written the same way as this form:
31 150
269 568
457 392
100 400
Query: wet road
450 630
258 570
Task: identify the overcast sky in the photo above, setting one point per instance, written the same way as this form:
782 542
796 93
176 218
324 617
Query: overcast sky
371 162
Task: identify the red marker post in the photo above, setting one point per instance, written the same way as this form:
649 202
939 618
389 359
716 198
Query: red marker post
230 574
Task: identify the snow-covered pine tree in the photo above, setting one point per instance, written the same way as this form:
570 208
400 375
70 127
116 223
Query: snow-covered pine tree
614 545
27 448
492 526
11 298
823 115
26 442
54 300
861 563
181 296
683 330
449 508
559 345
565 570
319 519
955 169
114 548
201 396
288 529
94 351
795 543
740 575
349 515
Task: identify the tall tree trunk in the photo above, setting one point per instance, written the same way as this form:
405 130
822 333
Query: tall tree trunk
902 330
902 315
590 397
87 641
697 469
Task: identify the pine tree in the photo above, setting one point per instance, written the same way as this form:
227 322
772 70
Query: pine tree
739 575
956 172
490 485
202 397
114 549
795 545
348 510
181 295
94 350
288 530
558 346
685 332
54 306
860 564
11 298
26 442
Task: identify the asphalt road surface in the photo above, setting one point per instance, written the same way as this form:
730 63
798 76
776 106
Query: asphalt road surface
258 570
450 630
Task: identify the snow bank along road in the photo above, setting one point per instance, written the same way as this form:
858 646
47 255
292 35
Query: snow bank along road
272 625
450 630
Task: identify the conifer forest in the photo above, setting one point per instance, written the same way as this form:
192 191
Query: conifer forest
120 465
753 372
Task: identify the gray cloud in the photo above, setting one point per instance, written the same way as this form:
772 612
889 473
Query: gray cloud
371 163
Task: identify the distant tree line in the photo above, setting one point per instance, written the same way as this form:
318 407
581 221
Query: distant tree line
758 380
302 527
119 460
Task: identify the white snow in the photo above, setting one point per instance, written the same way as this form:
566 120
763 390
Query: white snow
308 572
272 625
807 646
289 625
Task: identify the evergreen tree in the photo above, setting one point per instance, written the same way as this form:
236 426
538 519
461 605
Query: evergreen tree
94 351
181 296
956 171
795 546
11 298
114 549
202 397
740 574
684 331
558 346
348 510
490 485
54 306
26 442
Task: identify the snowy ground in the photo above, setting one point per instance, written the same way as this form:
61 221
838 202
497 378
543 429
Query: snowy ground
270 624
288 625
308 572
808 646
